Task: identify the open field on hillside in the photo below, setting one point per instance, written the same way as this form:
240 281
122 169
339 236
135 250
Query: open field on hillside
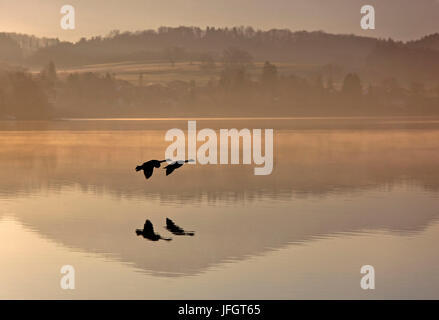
164 72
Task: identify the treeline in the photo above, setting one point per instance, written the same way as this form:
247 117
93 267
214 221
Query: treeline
24 97
17 48
402 62
430 41
235 93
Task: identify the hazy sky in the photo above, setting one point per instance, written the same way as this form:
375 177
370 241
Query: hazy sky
399 19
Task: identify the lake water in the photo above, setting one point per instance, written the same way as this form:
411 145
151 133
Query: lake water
343 193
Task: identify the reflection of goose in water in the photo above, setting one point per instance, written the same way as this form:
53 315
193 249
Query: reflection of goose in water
148 232
175 165
172 227
148 167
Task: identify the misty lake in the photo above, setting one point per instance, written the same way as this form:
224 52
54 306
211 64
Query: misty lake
343 193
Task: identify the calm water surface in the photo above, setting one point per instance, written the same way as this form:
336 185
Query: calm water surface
343 193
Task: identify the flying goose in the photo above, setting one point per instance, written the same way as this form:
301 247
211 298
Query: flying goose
175 165
148 167
148 232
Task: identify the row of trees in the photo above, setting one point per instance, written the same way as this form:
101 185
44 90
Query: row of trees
23 97
234 92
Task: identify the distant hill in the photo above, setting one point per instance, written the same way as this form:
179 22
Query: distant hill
191 43
428 42
374 58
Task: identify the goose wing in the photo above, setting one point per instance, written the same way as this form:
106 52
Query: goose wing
172 226
169 169
147 171
148 227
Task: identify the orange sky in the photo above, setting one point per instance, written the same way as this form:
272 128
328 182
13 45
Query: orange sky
399 19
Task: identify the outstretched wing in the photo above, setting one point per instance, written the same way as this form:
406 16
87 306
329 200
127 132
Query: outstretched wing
171 225
169 169
169 222
148 171
147 227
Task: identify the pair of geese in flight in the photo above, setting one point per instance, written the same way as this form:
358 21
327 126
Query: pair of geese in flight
148 167
148 228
